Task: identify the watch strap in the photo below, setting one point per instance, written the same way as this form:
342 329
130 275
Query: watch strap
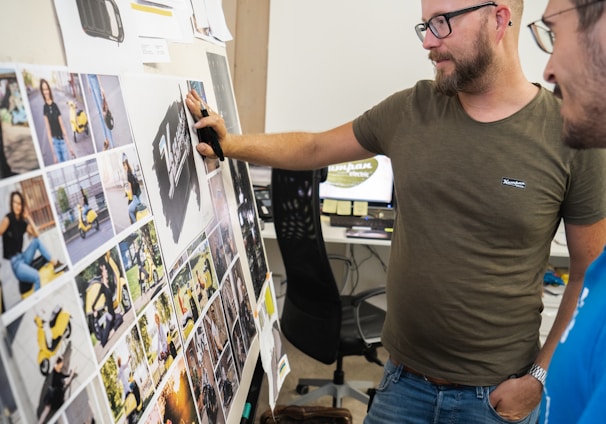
538 372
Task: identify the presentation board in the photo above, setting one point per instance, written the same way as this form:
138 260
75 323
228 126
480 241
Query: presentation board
131 266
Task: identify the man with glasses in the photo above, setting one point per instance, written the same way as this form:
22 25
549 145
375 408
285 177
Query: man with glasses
576 385
482 180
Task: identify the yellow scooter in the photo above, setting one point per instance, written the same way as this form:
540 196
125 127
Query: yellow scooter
59 328
78 120
92 221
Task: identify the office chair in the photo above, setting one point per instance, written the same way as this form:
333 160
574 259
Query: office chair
316 318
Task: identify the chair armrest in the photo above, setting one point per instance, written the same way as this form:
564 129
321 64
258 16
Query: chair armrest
357 301
360 297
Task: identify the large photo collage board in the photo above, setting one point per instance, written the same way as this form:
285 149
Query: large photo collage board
131 266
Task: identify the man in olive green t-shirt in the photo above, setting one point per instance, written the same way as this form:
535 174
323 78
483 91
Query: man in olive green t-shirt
482 181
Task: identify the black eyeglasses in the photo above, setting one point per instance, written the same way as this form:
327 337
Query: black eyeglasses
439 25
542 35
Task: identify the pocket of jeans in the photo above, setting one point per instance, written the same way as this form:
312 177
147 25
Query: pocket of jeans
500 419
391 373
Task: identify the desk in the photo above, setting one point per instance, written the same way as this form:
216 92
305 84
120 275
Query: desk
331 235
370 275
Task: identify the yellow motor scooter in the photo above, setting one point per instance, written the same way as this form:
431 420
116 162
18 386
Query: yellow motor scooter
92 221
59 328
78 120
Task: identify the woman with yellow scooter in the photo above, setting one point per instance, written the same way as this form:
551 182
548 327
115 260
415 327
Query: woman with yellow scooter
12 229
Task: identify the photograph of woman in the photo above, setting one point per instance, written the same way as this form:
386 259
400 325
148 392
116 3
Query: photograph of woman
61 147
13 227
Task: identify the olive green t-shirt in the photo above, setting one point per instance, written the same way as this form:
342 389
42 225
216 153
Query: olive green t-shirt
478 205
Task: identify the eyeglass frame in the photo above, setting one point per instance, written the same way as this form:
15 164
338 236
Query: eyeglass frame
423 26
534 27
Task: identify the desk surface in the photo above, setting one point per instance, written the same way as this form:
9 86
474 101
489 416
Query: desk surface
337 235
331 235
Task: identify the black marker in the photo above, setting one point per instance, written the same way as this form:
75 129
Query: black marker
208 133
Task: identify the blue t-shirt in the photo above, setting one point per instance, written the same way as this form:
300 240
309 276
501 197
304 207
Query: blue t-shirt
575 389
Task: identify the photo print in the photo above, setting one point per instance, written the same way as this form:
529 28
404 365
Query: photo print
81 207
17 152
34 255
227 379
94 31
106 301
185 301
226 104
125 189
175 402
216 330
128 385
205 279
89 406
204 386
56 103
143 264
249 223
160 336
51 340
108 119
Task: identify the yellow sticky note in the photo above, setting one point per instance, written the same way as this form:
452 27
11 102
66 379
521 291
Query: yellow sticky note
329 206
343 207
360 208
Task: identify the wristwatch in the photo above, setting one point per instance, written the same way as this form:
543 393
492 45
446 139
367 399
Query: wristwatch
538 372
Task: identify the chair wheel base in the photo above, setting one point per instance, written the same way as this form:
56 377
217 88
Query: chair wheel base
302 389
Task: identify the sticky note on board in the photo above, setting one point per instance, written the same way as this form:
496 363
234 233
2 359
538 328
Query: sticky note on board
360 208
343 207
329 206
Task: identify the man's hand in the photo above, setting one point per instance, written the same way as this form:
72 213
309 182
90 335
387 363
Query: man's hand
515 398
193 103
214 120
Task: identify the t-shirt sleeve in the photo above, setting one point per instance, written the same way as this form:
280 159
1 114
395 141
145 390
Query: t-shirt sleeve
585 201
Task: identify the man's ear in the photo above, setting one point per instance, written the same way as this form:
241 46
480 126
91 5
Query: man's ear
503 14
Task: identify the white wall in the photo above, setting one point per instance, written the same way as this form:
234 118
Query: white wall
330 60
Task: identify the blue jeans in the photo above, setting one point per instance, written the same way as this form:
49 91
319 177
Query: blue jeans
132 209
93 81
21 263
406 398
60 149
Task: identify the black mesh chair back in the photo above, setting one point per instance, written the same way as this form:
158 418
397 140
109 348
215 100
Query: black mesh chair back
311 316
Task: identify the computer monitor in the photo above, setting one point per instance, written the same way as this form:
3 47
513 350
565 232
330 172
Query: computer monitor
369 180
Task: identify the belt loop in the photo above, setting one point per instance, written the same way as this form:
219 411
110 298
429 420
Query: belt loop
479 392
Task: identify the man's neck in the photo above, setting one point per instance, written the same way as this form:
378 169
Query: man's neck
499 100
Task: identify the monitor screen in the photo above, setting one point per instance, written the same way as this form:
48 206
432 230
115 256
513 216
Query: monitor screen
369 180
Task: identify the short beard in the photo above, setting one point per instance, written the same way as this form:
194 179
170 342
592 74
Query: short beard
588 131
467 72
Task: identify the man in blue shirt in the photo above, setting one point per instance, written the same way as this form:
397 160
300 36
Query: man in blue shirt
575 388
